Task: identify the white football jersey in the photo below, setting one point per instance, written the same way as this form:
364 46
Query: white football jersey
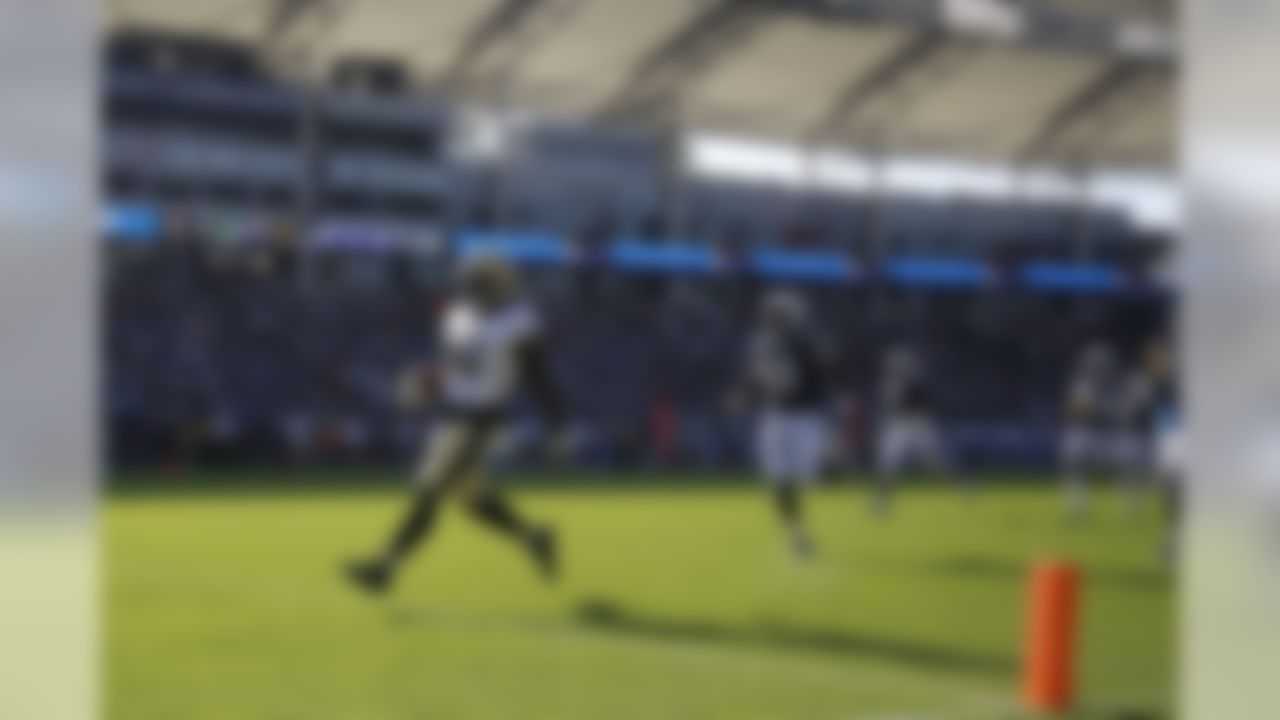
1091 398
480 364
773 369
902 383
1137 398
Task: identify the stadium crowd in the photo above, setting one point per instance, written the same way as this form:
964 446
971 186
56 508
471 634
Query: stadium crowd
267 354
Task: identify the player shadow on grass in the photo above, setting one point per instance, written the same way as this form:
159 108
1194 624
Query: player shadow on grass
605 615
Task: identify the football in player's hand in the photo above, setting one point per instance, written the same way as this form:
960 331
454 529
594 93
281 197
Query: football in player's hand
413 387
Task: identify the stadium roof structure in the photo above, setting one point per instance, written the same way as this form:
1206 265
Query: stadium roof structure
1078 83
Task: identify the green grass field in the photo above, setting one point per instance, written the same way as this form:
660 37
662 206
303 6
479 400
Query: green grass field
677 602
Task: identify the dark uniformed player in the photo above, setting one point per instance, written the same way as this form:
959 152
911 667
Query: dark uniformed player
1170 444
788 378
1141 400
1091 440
908 431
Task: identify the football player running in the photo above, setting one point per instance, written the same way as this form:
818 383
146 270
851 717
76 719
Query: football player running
908 429
1089 435
1169 430
788 380
491 348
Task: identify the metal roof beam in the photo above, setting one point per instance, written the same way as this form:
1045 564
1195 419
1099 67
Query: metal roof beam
1111 82
915 51
294 32
655 84
508 18
285 15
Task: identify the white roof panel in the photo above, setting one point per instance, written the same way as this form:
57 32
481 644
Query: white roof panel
779 74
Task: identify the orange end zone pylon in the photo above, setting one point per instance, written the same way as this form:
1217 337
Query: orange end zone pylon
1048 679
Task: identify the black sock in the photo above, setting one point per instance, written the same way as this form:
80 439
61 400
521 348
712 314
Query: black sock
1173 503
498 514
413 528
787 500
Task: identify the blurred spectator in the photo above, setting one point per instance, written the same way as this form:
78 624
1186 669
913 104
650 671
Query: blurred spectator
242 365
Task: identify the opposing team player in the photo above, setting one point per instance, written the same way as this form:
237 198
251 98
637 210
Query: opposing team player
788 380
908 435
491 348
1170 442
1090 438
1140 400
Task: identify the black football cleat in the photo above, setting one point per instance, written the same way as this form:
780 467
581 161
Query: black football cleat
542 546
802 548
370 576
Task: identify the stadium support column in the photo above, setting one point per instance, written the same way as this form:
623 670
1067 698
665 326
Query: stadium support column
311 180
488 64
1080 229
294 42
503 169
312 168
672 181
854 110
878 196
872 248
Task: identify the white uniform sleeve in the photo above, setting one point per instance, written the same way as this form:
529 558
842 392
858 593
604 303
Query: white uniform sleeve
455 322
525 325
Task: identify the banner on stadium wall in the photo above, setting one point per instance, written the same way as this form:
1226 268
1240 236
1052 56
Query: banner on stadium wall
784 264
938 272
531 248
144 223
131 222
1068 277
376 237
231 228
804 266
